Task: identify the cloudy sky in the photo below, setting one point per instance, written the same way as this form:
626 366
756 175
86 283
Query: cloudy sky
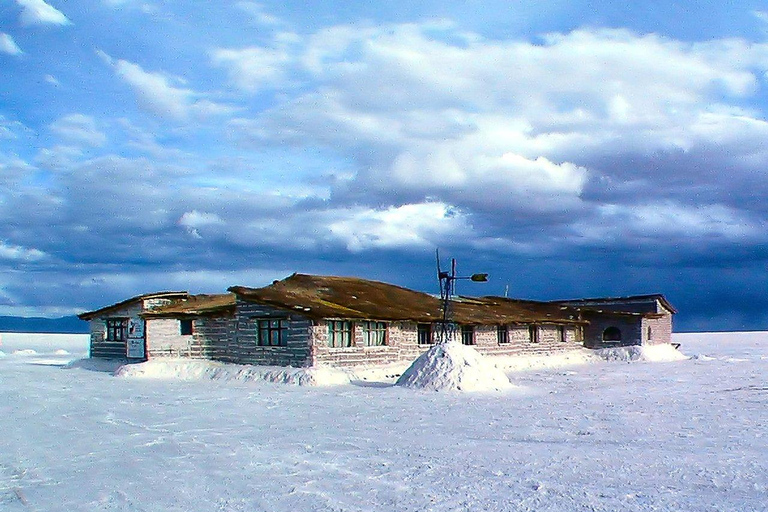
570 148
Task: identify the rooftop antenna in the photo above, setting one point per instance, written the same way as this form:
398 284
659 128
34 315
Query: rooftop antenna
447 281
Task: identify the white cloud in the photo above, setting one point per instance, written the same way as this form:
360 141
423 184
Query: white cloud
194 220
406 226
252 69
8 45
79 129
37 12
258 13
665 220
19 253
157 93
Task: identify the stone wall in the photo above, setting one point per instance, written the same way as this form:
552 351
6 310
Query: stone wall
241 343
164 338
630 327
661 330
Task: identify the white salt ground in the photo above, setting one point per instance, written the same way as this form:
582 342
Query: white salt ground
453 367
686 435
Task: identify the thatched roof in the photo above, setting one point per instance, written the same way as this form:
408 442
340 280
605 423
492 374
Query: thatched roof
196 305
88 315
320 297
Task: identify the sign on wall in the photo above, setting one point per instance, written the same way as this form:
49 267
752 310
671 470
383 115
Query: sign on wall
135 339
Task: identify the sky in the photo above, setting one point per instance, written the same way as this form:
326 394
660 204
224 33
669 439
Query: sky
567 148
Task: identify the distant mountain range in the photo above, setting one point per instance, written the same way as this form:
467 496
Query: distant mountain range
64 324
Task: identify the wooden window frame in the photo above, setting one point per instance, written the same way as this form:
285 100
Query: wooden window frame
425 334
467 334
271 332
375 334
340 333
502 334
186 327
533 333
115 326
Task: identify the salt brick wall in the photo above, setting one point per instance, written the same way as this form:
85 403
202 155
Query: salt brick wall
100 347
240 345
164 338
630 327
661 329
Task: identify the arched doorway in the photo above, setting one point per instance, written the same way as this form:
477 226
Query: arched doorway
612 335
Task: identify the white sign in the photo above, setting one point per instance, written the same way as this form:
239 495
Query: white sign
135 348
136 328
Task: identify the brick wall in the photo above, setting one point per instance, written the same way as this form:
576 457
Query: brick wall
240 345
164 338
630 327
661 330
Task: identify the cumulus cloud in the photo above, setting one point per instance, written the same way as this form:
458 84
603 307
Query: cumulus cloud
406 226
37 12
79 129
8 45
162 95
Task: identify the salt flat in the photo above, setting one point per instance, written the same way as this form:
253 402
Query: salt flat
602 436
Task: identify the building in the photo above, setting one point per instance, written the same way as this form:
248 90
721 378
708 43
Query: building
622 321
309 320
159 324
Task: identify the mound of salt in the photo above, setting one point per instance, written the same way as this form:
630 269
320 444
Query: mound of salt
185 369
453 366
652 353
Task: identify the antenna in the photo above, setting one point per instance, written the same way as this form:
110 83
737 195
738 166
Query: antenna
447 284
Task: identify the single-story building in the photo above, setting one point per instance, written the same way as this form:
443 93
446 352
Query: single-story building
157 324
309 320
623 321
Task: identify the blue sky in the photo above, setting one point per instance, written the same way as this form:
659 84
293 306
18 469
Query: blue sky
569 149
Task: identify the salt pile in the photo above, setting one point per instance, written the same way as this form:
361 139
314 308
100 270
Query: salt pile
453 366
652 353
185 369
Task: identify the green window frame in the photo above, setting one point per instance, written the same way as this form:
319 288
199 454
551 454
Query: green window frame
117 329
271 332
533 333
424 334
374 334
502 334
340 333
468 334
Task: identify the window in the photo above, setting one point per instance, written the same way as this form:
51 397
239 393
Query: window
116 329
561 334
468 334
425 334
271 333
502 334
374 334
533 333
612 334
339 333
650 333
185 327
